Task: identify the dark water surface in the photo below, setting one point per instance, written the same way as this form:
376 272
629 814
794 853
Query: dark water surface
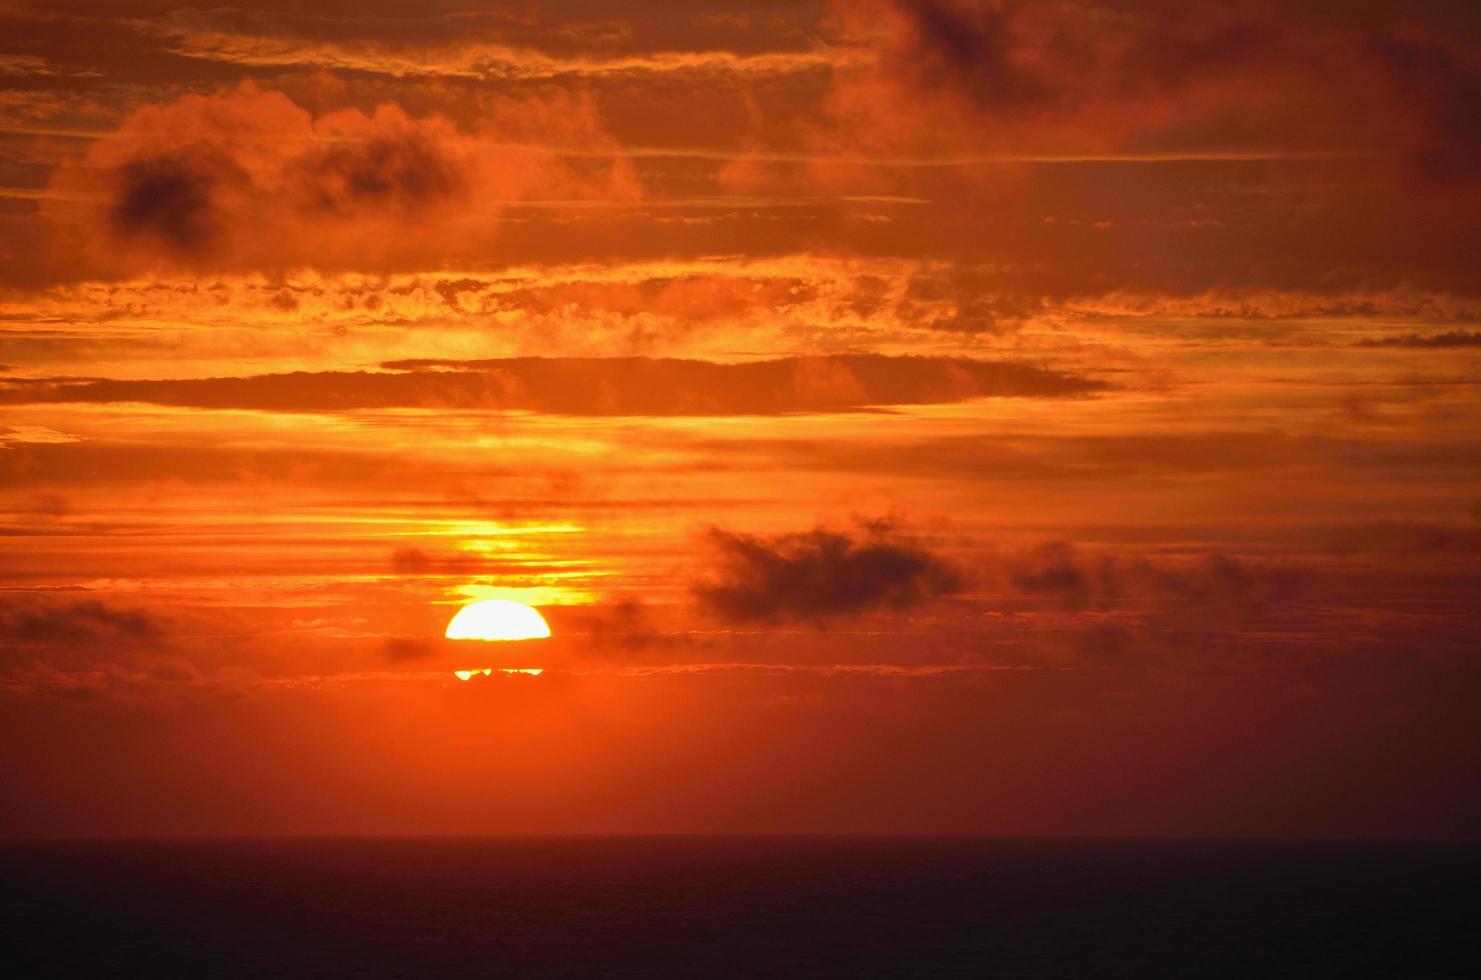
714 907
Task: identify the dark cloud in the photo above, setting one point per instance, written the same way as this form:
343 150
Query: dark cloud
190 199
168 198
820 573
1077 580
968 299
623 625
1155 74
406 172
86 623
248 179
1221 580
1055 569
416 561
47 507
1452 338
400 649
212 191
972 45
1401 538
596 386
410 561
1442 90
1011 58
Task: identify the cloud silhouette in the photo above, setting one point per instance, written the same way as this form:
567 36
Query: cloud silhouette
85 623
1439 341
820 573
594 386
1059 571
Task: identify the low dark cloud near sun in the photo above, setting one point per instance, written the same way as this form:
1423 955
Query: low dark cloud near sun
821 573
1059 572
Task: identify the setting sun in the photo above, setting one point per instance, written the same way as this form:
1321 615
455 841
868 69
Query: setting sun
497 619
840 421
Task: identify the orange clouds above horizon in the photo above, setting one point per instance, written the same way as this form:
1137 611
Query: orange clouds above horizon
910 415
249 180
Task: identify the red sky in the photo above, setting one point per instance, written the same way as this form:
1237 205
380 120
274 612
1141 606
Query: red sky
910 415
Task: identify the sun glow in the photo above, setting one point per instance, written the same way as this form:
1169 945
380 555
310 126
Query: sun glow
497 619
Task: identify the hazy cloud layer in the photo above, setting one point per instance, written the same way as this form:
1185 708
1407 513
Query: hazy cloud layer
1059 571
1452 338
75 624
617 386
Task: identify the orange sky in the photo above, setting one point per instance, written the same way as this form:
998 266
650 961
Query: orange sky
910 415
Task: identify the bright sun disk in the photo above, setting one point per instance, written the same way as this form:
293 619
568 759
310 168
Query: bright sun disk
497 619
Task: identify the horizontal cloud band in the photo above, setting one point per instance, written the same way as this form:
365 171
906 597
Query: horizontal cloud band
592 386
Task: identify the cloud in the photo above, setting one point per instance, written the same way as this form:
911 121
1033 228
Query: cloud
1221 580
491 60
820 574
1076 77
89 623
555 41
46 507
1053 569
972 46
106 648
624 625
249 179
1407 538
167 198
1452 338
1442 86
1088 77
416 561
32 435
1269 304
1060 571
595 386
400 649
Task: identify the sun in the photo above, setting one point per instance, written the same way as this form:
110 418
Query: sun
497 619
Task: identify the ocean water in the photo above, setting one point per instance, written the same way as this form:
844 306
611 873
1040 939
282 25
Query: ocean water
700 907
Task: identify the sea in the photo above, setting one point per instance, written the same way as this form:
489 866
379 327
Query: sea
702 907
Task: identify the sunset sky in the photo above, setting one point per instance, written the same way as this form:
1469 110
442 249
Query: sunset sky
1055 417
